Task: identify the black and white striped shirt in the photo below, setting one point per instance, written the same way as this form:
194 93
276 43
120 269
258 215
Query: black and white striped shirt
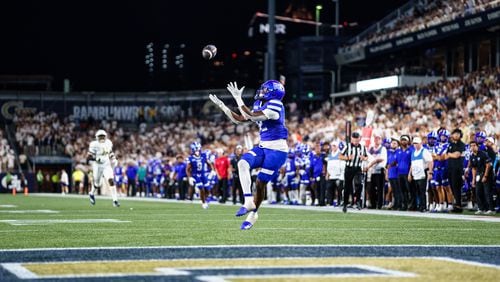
357 151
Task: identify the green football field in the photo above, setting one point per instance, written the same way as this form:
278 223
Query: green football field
59 222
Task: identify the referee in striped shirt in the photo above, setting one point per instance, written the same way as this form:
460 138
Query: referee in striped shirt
354 154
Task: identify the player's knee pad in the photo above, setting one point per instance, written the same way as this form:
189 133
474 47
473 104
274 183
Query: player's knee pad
111 182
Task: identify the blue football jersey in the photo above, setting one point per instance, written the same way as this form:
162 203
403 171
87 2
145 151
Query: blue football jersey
271 130
197 164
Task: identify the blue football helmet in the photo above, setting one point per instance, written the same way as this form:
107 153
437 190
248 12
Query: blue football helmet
306 149
480 136
195 147
445 133
432 138
271 89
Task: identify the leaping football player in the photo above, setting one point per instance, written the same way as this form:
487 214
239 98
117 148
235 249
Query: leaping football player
268 113
101 153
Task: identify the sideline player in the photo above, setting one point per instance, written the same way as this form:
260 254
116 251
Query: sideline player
101 153
271 153
195 173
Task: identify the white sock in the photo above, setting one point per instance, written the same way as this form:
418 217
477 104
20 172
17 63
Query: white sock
246 181
92 192
113 193
270 193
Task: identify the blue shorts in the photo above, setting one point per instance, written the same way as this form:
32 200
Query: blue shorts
440 178
292 183
270 162
201 181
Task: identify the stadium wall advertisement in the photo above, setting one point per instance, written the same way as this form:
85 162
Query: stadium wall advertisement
438 32
130 111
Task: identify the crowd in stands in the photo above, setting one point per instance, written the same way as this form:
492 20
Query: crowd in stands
470 103
7 156
425 14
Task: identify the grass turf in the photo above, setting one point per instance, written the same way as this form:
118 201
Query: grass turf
173 224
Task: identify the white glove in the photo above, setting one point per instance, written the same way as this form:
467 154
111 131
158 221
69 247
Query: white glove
114 162
232 87
223 107
191 181
212 174
217 101
302 172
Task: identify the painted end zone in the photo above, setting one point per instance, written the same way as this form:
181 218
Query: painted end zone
220 263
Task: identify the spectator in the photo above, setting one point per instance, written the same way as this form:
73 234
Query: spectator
235 178
141 178
334 176
480 164
64 180
455 157
223 169
131 173
378 156
404 161
78 177
421 160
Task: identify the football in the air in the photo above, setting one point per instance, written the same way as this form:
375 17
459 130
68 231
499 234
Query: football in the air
209 52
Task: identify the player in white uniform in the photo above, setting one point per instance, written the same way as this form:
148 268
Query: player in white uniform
101 153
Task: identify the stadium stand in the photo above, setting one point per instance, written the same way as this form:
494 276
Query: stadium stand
470 103
421 15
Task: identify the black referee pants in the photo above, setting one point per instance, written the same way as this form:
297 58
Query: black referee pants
353 176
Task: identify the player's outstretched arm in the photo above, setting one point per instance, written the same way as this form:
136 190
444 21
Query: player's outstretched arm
232 87
234 117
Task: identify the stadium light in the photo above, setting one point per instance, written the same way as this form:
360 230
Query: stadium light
318 9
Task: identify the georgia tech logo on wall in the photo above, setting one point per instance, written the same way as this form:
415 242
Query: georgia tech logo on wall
9 108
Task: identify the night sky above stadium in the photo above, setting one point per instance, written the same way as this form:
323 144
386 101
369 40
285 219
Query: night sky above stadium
100 45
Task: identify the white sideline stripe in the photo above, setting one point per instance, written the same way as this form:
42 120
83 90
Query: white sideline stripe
57 221
242 246
23 273
19 270
317 209
8 206
29 211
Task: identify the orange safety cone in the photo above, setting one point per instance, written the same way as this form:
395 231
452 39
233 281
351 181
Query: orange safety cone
14 191
26 192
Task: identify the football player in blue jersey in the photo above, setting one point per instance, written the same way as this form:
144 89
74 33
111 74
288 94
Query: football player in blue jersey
480 137
303 163
440 175
195 174
269 113
292 181
118 173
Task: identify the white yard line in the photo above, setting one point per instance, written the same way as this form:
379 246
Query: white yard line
28 211
309 208
242 246
59 221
